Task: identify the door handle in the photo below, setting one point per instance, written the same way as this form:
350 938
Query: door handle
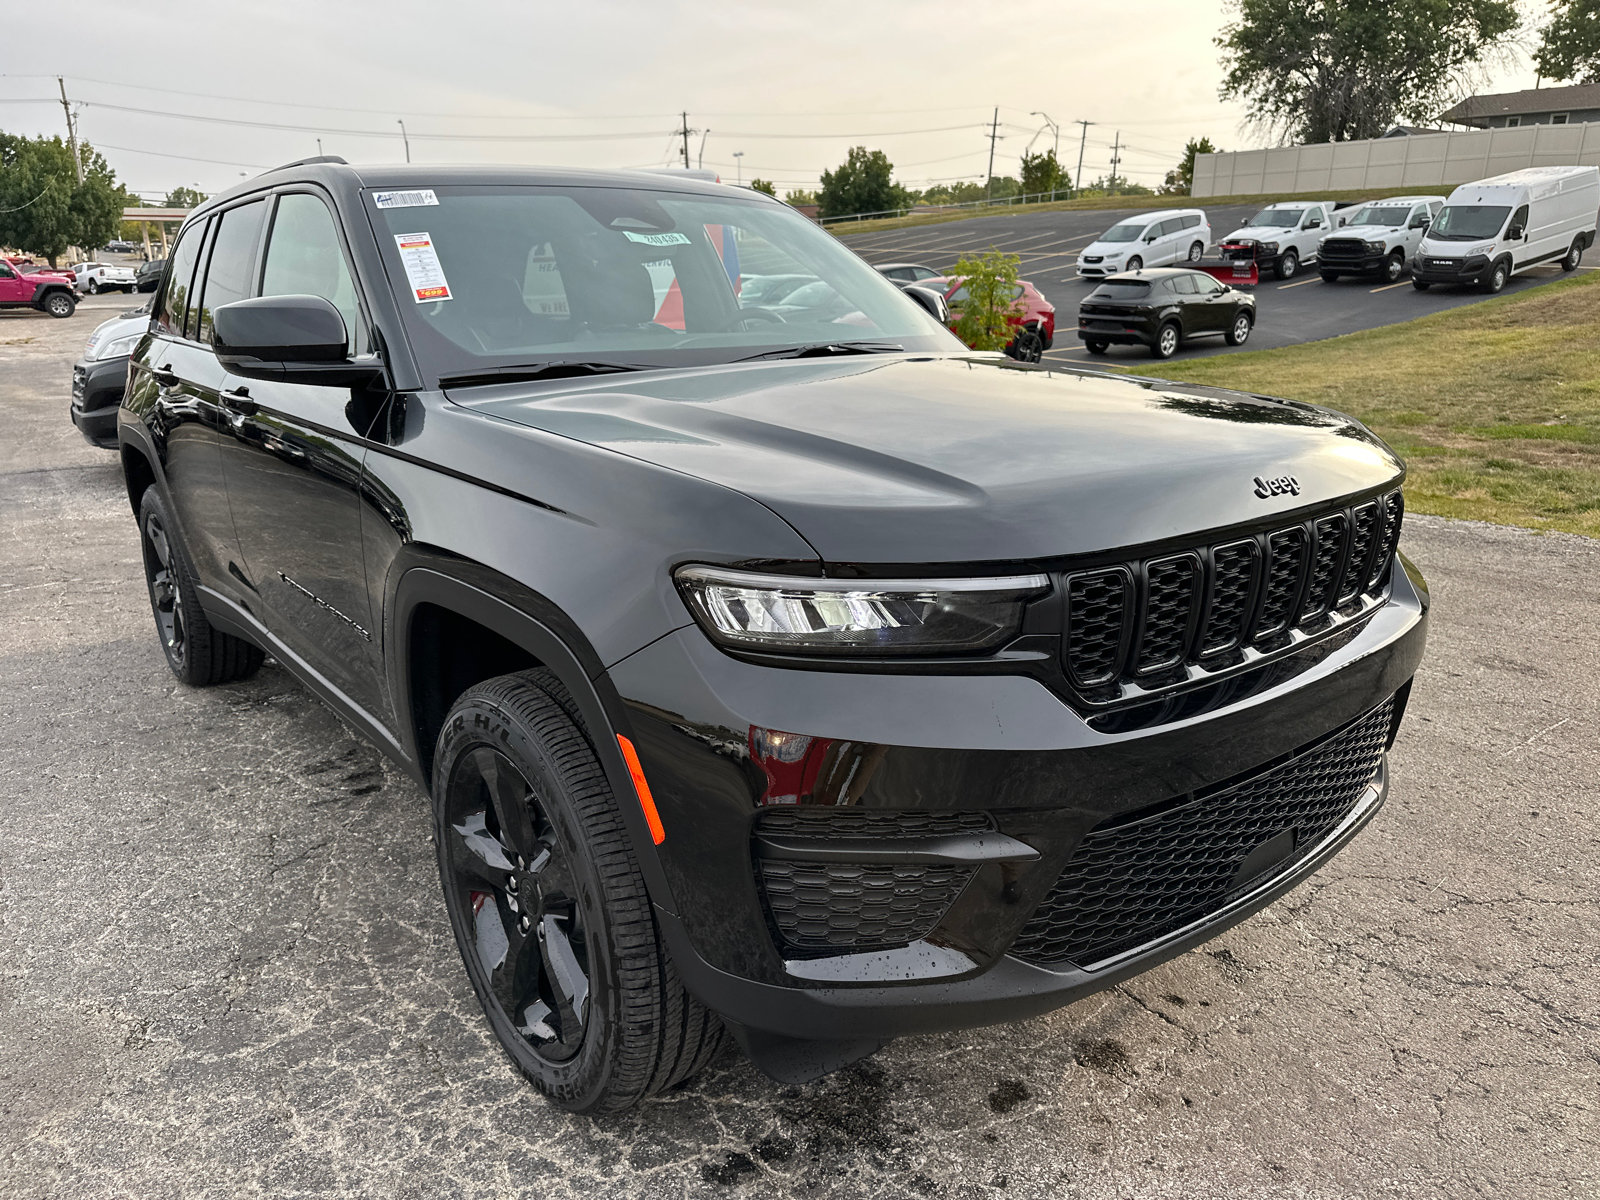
166 377
238 399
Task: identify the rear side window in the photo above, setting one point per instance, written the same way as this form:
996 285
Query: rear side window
232 262
304 258
175 298
1191 221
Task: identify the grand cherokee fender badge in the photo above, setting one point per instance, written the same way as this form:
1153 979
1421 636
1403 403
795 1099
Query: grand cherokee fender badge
1267 488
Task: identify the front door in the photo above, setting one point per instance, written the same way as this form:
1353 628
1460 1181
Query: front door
12 288
293 464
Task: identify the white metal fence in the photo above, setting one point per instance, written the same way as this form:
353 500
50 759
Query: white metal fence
1428 160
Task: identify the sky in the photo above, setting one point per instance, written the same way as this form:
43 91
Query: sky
202 94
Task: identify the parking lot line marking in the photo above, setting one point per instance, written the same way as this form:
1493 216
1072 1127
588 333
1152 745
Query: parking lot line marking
1283 287
1389 287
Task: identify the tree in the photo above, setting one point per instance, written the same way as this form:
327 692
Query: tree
989 282
1339 70
764 185
1569 47
799 196
1042 173
863 183
1115 185
1181 178
185 197
44 208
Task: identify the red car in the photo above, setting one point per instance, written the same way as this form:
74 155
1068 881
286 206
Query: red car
1034 315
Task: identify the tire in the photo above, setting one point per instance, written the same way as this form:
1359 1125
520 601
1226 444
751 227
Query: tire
1197 252
1421 285
1574 256
602 1020
1288 265
1330 276
92 287
1168 339
1494 280
1097 347
198 654
1393 267
1239 332
1134 264
59 304
1026 347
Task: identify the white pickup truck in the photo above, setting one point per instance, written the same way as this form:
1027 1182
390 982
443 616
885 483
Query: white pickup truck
1378 239
1283 236
95 277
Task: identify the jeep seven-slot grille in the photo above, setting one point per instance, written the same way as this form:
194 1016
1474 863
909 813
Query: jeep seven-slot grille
1132 882
1146 622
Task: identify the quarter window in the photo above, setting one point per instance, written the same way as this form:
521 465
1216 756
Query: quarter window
175 299
233 257
304 258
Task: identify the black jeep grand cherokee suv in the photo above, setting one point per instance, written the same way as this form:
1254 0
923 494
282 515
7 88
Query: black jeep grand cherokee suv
795 673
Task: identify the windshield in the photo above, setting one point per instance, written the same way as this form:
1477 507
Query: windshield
1278 218
1128 231
1468 222
510 276
1374 214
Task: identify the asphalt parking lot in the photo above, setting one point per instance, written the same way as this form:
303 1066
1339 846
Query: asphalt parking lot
225 969
1303 309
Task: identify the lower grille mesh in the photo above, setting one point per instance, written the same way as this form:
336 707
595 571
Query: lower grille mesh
1129 884
851 907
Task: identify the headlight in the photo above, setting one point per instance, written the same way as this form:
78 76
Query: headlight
1267 247
1374 247
1115 253
792 615
116 347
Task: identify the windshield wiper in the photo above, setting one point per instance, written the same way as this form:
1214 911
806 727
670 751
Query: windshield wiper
554 370
827 350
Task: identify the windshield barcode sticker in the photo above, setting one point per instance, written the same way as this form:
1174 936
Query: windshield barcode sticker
423 269
414 199
657 239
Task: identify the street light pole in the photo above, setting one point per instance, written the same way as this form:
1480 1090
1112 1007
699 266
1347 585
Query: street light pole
738 167
1077 180
406 139
1056 153
700 159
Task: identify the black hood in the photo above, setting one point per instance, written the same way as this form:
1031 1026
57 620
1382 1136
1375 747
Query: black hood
926 460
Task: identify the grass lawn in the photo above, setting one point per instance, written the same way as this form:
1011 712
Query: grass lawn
1495 407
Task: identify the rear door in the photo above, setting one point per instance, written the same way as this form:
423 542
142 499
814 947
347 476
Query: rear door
293 462
1212 305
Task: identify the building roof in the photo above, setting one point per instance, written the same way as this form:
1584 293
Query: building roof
1409 131
1533 100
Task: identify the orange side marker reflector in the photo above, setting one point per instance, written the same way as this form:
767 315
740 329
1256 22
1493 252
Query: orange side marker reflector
646 800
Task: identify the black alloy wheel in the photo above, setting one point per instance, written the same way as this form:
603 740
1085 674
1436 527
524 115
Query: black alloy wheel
1239 332
1197 252
1026 347
1393 267
1168 339
548 904
59 304
1330 276
1495 280
1095 347
1288 265
198 654
1574 257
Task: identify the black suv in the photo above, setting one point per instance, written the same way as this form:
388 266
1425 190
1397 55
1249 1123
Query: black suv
801 675
1163 309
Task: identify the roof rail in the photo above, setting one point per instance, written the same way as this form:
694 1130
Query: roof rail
306 162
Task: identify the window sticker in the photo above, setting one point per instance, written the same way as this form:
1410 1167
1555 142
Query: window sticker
411 199
422 267
657 239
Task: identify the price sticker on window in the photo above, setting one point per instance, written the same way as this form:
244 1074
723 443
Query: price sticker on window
423 269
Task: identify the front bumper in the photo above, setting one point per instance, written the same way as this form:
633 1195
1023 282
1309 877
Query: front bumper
97 389
1432 268
1000 745
1363 264
1098 270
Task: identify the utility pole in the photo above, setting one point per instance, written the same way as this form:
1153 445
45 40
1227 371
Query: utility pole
1077 180
994 132
72 130
403 137
685 131
1116 159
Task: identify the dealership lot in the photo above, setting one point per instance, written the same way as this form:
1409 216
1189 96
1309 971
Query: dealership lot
1300 310
225 967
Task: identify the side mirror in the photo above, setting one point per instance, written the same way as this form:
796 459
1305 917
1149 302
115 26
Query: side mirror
1515 233
1342 221
931 300
298 338
1420 223
1314 223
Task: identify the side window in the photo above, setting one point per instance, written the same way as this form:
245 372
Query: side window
1192 221
1168 228
1205 285
304 258
175 299
1519 220
6 272
232 261
1183 285
925 273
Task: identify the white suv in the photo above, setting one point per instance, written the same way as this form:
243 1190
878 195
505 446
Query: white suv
1156 239
1379 238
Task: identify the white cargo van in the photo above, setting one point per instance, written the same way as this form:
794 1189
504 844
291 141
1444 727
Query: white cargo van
1492 229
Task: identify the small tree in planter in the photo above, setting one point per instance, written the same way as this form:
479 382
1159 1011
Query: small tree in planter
984 313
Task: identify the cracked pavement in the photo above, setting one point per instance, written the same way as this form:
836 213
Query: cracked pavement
225 969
